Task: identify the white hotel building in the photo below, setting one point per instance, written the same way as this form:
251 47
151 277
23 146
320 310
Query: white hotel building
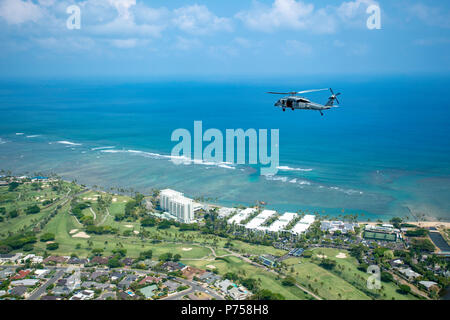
177 205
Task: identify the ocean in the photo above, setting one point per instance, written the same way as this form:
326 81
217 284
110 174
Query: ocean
384 152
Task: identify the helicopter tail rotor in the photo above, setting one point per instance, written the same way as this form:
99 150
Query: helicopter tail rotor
334 96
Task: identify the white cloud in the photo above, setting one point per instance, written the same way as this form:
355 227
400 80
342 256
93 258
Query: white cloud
18 11
351 9
198 20
287 14
122 7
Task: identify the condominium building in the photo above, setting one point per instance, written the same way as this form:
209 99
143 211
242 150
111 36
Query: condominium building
176 204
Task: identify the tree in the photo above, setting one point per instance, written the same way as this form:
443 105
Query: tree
176 257
145 255
328 263
47 237
148 222
386 277
404 289
288 281
165 256
32 209
114 263
13 186
267 295
13 213
52 246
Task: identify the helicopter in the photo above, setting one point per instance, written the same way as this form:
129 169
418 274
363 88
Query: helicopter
296 102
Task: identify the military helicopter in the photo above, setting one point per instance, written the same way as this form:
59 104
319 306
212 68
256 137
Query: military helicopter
295 102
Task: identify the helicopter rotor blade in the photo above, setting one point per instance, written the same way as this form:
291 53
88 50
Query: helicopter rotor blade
312 90
279 92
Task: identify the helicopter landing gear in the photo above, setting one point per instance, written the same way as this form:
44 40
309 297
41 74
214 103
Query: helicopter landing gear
292 109
284 109
321 113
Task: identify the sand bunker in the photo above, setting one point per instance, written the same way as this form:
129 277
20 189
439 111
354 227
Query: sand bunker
81 234
136 232
341 255
128 226
48 242
186 249
73 231
210 266
321 256
114 199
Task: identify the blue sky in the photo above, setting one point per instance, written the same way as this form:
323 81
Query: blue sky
222 38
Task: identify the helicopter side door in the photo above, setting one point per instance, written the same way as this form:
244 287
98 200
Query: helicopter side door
289 103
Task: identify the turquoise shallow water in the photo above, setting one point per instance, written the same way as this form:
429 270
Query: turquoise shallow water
384 152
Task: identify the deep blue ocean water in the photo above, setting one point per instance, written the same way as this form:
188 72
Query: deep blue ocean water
384 152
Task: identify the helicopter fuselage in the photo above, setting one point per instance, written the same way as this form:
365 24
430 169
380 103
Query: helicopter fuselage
294 102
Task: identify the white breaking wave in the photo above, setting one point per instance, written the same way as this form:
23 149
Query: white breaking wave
287 168
34 136
102 148
347 191
69 143
2 141
19 134
184 160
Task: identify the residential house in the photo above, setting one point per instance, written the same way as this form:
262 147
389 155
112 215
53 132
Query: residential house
18 291
97 274
25 282
408 273
149 291
430 285
41 273
77 261
21 274
55 259
117 276
100 260
83 295
209 277
173 266
190 272
10 257
95 285
61 291
171 285
7 273
128 261
127 281
149 279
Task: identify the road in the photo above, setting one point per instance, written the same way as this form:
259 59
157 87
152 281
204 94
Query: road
42 289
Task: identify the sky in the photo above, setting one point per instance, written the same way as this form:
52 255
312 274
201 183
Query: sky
212 38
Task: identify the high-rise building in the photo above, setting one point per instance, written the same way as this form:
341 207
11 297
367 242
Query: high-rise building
176 204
